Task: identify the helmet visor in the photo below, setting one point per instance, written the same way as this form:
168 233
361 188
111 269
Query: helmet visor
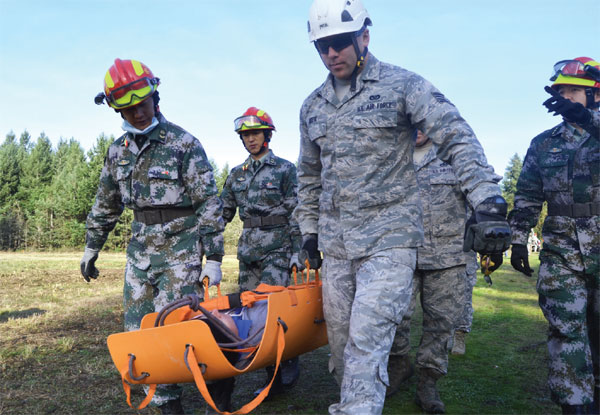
249 122
136 91
569 68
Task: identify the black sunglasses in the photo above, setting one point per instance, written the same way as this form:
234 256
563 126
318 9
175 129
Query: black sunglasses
338 42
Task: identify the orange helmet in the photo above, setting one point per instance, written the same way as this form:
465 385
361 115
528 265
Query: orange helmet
253 119
581 71
127 83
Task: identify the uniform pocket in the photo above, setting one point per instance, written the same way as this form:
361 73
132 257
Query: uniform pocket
593 160
316 130
555 173
165 186
271 194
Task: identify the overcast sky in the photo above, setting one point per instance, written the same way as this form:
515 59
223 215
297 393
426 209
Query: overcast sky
492 59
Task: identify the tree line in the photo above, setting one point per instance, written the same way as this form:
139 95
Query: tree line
46 194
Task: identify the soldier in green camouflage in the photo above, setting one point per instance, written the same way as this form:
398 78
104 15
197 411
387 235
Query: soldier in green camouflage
358 198
440 277
562 168
263 188
161 172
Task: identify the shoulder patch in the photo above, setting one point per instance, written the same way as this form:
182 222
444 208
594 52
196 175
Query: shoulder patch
123 162
439 97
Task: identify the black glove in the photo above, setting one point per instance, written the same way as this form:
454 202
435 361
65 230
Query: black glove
310 252
88 264
571 111
519 259
487 231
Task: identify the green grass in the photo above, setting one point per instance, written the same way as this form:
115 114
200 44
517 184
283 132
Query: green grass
54 359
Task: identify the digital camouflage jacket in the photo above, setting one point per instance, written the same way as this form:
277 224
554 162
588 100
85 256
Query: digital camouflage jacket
171 170
268 191
562 167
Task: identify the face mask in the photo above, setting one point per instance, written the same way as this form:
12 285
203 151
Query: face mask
131 129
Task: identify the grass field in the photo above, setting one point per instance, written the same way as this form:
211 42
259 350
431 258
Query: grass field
54 360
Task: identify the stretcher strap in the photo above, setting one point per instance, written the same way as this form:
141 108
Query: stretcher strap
250 406
124 371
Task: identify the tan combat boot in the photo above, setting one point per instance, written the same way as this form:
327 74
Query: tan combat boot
400 369
459 342
428 397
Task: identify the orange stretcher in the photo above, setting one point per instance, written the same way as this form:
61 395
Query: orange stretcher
175 346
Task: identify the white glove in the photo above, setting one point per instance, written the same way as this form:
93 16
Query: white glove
295 262
212 271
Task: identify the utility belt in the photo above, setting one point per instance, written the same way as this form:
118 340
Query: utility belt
575 210
162 215
260 221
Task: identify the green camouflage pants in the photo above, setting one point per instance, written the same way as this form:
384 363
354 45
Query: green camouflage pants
148 291
272 269
442 299
570 301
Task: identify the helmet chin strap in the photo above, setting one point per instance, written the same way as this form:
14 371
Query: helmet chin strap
360 61
591 102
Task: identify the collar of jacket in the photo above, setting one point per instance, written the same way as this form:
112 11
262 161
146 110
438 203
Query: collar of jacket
568 132
269 158
157 134
371 72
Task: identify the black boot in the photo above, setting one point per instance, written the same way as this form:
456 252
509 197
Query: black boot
221 391
428 397
573 409
400 370
276 387
172 407
290 372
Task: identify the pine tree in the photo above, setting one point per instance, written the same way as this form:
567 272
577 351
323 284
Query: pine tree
509 182
10 171
36 173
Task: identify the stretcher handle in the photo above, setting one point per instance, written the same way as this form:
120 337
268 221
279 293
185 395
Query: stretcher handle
131 374
295 272
125 371
205 283
193 367
308 273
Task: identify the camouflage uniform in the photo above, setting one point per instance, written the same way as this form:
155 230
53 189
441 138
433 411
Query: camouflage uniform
440 276
562 168
358 192
164 260
269 190
465 320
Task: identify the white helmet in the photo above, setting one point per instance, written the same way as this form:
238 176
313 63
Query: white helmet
332 17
